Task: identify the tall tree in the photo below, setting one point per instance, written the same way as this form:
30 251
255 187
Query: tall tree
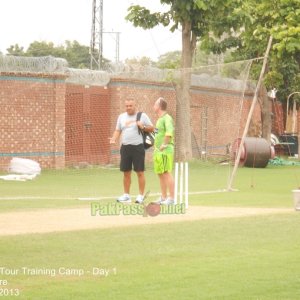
281 19
195 19
262 18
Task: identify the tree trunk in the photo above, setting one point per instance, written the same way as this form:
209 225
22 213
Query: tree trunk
183 112
266 114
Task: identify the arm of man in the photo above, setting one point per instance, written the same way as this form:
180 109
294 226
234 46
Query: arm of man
115 137
145 123
167 140
147 128
169 127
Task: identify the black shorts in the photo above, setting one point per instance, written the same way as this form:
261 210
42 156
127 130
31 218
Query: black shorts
132 155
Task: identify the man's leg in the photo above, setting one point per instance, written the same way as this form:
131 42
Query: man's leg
163 185
127 182
138 155
141 181
167 183
171 184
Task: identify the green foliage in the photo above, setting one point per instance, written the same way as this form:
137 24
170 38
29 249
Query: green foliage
15 50
204 16
295 84
43 49
273 79
218 46
258 20
169 60
77 55
143 61
142 17
280 19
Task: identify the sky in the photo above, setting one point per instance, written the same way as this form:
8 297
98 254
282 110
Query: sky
25 21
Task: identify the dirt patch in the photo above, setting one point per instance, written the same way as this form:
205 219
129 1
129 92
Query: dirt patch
58 220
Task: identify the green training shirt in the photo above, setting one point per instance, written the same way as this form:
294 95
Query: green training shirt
165 127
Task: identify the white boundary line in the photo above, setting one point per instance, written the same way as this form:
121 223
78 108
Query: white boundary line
102 198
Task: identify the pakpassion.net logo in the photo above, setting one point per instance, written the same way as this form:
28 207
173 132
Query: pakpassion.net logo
151 209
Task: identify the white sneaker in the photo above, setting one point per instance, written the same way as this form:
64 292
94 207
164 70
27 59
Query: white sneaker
124 198
168 201
160 200
139 199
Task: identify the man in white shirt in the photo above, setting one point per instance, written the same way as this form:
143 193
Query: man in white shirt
132 149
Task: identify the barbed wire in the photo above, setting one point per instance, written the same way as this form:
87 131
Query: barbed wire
88 77
44 64
222 76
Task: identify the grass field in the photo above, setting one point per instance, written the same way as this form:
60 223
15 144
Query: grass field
238 258
64 188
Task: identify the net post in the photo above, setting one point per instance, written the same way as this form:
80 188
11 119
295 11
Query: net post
176 183
186 184
181 183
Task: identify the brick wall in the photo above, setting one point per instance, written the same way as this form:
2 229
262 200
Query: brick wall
32 114
61 124
218 119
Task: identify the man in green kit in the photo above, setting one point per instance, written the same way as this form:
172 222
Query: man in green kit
163 155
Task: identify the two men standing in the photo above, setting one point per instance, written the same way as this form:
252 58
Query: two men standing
133 153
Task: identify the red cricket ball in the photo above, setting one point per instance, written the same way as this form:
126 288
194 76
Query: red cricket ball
153 209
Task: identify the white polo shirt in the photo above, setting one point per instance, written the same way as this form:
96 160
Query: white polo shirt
127 125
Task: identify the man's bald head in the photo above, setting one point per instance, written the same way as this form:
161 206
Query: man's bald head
161 103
